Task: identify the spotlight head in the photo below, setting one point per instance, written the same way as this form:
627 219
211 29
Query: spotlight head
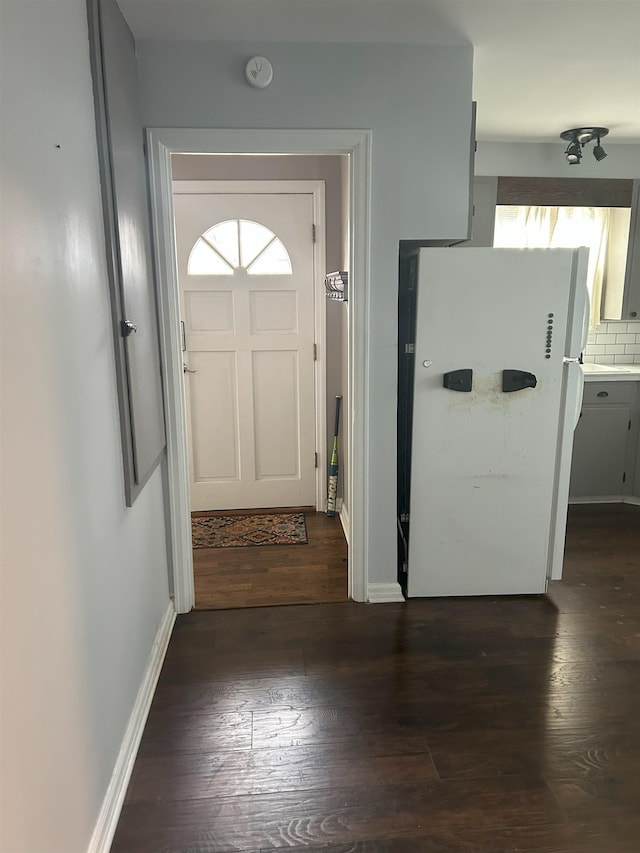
598 152
573 153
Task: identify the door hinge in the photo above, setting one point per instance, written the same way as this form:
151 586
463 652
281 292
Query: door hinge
404 516
624 477
313 233
409 348
629 425
315 352
316 459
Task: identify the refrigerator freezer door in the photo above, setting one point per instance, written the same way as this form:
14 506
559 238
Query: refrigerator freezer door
484 463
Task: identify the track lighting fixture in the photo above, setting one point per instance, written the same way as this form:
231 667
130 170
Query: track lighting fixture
578 137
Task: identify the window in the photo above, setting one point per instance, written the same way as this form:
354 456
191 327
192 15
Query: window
604 230
239 244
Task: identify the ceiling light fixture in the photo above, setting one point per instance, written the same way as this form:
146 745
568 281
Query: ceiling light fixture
578 137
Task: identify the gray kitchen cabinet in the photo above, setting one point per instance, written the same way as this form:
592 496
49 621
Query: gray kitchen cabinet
604 442
635 486
484 212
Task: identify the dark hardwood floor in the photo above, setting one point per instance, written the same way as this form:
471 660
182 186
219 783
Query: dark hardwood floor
489 725
315 573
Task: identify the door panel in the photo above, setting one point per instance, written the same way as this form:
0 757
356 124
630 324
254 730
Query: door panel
214 417
273 311
209 312
275 381
245 264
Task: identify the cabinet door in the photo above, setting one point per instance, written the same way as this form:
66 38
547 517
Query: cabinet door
599 450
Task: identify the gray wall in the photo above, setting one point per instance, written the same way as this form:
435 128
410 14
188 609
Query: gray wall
546 160
84 583
417 102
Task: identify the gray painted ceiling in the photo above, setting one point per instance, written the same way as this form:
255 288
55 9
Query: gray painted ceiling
540 66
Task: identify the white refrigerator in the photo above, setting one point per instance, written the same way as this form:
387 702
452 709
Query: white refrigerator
496 397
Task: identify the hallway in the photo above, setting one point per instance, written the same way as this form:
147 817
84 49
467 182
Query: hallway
258 576
488 725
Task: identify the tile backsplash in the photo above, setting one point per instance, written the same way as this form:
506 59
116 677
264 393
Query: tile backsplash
614 343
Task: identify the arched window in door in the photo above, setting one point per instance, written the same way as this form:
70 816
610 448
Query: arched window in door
239 244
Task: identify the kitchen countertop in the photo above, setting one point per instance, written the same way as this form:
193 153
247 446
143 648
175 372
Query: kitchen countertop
611 372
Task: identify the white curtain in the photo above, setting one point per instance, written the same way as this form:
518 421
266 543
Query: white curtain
559 227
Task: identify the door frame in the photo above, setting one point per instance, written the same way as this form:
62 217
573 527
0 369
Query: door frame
314 188
161 144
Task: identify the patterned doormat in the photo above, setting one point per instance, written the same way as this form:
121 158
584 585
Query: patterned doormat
238 531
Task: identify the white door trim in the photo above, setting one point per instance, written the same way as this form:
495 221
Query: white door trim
316 190
161 143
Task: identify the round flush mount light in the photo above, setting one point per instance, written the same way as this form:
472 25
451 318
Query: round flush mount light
259 72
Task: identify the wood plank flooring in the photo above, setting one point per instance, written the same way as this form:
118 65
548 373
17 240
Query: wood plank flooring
489 725
315 573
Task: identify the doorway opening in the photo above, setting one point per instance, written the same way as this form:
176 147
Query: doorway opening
180 157
255 237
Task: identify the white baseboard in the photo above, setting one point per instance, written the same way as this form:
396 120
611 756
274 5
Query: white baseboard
632 499
382 593
344 521
112 804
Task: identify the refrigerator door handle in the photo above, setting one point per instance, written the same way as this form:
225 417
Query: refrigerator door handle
517 380
576 379
458 380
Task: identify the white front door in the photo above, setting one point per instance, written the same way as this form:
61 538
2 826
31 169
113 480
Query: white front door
245 271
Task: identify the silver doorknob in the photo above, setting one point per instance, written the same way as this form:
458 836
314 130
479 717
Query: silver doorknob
127 327
185 369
